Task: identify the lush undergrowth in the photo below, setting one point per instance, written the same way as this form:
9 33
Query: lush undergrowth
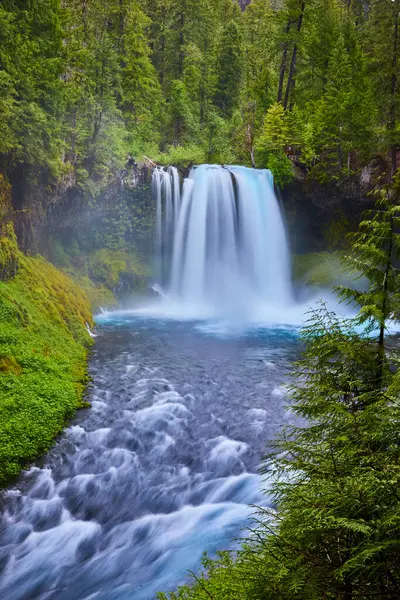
103 273
43 348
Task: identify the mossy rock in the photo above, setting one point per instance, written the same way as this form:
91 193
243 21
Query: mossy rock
107 266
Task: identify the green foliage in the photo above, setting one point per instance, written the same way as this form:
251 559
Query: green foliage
85 83
275 135
31 99
229 68
281 167
182 155
43 349
106 267
342 116
374 248
9 256
270 146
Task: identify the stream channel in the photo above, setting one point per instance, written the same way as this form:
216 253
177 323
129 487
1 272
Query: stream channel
162 468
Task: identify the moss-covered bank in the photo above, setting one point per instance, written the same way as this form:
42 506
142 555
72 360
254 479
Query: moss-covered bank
106 275
43 350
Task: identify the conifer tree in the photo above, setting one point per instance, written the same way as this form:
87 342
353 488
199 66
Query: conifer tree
383 44
142 101
31 102
258 88
336 116
229 68
375 250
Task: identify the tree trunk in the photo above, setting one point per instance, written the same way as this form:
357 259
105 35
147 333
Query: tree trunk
121 29
393 169
84 16
292 70
392 114
181 45
381 340
282 69
290 80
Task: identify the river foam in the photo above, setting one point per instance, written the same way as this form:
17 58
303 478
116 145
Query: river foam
163 466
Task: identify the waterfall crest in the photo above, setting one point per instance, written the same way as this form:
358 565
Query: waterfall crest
221 242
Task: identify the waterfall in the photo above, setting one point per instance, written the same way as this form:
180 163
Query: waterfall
222 242
167 193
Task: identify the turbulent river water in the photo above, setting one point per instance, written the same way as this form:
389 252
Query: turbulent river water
161 468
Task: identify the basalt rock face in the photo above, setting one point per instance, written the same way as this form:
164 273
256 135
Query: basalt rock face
320 215
103 239
40 211
32 199
8 244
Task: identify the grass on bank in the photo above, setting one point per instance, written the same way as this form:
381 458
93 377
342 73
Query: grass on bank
43 351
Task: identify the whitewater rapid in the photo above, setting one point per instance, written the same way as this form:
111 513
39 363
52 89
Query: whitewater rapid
163 466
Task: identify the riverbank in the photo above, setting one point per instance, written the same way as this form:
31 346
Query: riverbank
44 343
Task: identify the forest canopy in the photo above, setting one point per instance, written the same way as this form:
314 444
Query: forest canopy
270 83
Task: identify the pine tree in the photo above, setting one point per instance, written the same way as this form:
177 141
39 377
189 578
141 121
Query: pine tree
292 18
259 76
93 122
30 67
376 247
337 527
229 69
339 123
142 100
383 45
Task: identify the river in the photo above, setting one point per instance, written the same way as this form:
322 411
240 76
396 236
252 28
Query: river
162 467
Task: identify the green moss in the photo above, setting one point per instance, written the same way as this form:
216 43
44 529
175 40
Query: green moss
99 296
43 350
8 252
107 266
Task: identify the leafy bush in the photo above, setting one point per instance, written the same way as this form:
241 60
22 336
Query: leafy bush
281 167
181 155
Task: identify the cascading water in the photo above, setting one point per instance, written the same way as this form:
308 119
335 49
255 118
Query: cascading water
167 193
223 242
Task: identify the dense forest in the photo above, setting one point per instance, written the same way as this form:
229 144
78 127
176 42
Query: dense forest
276 83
